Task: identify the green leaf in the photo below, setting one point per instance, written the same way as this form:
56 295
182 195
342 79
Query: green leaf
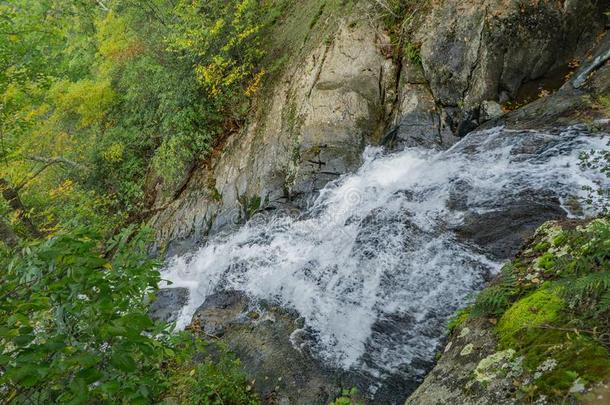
123 361
137 321
90 375
23 340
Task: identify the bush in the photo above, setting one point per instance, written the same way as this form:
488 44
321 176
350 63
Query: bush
74 328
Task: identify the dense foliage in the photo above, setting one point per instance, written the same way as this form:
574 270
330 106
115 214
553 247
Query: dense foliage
74 329
105 106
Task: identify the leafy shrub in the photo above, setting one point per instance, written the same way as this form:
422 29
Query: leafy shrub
222 39
135 95
495 299
347 397
458 319
74 328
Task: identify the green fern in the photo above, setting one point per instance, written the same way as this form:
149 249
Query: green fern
604 302
497 298
591 291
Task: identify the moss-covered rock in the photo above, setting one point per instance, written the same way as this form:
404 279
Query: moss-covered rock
541 329
535 310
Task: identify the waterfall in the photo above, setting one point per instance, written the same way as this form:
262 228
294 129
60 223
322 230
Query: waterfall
377 264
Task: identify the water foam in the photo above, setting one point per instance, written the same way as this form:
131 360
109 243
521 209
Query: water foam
372 266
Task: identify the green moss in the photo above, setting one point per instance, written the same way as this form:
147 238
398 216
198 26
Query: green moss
542 246
555 355
546 261
578 358
254 204
348 397
215 194
558 327
536 309
558 357
603 101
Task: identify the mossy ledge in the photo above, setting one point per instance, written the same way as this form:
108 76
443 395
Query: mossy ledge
540 333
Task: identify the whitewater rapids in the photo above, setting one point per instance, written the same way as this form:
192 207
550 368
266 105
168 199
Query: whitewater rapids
373 265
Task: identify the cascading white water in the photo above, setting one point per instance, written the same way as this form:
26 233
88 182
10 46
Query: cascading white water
373 266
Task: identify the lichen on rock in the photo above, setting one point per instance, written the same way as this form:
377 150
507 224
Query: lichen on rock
491 366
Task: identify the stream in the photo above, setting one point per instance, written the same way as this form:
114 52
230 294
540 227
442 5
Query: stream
383 257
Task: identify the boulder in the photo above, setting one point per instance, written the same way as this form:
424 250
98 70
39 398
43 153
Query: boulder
451 381
168 304
272 346
490 110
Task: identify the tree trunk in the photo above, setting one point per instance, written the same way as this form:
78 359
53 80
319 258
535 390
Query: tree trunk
11 195
7 235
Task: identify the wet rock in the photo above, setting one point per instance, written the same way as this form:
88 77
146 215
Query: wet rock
168 304
273 347
475 50
220 310
468 121
502 231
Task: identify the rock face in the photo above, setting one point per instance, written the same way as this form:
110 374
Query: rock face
321 114
570 104
417 120
478 50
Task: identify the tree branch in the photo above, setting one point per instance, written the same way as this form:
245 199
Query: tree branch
102 5
56 160
47 163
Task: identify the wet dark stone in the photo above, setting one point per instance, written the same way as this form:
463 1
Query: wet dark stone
274 348
502 231
168 303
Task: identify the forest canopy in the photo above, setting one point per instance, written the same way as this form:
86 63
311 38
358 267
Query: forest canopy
101 101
